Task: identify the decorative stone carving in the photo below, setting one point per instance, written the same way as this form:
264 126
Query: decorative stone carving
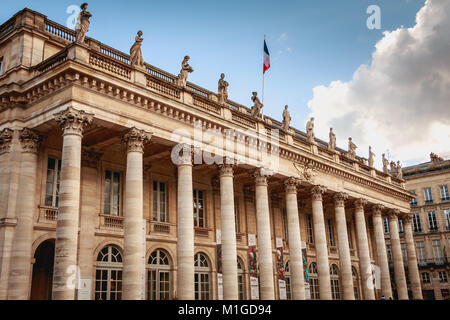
90 157
257 106
290 185
310 130
286 119
351 149
399 170
317 192
393 214
360 204
222 90
371 157
377 210
135 139
260 176
6 136
73 121
339 199
306 172
185 70
30 140
407 217
332 143
385 164
136 58
82 26
393 166
226 170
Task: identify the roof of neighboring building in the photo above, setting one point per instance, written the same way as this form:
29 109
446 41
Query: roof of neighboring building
425 168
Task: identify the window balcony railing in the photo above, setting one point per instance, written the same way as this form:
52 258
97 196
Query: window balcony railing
112 222
434 262
429 201
445 199
48 214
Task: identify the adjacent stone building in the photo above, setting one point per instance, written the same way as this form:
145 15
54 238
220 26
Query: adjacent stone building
143 185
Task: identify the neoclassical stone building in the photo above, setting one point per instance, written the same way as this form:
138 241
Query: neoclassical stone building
106 177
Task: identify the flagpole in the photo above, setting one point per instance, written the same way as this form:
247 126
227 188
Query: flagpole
262 111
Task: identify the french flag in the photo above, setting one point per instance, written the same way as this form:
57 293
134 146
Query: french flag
266 58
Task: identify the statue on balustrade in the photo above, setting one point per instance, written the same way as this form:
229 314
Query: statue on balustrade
222 90
257 106
310 130
399 170
385 164
286 119
351 148
393 166
332 143
185 70
136 58
82 25
371 156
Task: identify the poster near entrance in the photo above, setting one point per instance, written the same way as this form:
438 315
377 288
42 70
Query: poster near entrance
253 268
219 265
306 272
85 289
281 269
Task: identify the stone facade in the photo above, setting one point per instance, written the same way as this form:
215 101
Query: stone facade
100 179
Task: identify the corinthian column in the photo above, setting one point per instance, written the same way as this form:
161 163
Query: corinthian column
133 260
264 237
399 271
73 123
344 248
19 280
185 227
295 245
413 269
320 240
363 250
386 289
229 255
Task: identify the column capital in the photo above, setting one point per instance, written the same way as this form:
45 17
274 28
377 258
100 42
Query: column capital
407 217
360 204
90 157
30 140
135 139
73 121
339 199
226 170
261 176
317 191
393 214
6 136
377 210
290 185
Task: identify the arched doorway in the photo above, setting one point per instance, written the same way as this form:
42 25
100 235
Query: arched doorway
41 283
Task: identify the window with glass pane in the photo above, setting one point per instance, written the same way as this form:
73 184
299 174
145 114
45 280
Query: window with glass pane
199 208
416 223
108 276
425 277
421 255
287 279
436 244
405 257
159 201
386 225
52 182
201 277
349 235
389 254
158 276
428 195
330 232
241 282
400 226
309 228
444 193
443 276
447 218
236 214
1 65
314 282
335 286
285 224
432 223
413 201
355 283
112 193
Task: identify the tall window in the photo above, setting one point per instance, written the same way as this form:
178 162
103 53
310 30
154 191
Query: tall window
287 278
447 218
236 214
112 193
416 223
314 282
285 225
443 276
389 254
158 276
421 255
201 277
425 277
428 195
199 208
437 251
386 225
52 183
309 228
413 201
159 201
404 256
108 276
400 226
334 278
444 193
355 283
241 280
432 223
349 234
1 65
330 233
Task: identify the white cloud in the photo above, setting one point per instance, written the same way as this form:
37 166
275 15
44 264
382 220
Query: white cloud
283 36
401 101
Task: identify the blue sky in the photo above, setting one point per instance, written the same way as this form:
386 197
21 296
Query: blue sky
311 42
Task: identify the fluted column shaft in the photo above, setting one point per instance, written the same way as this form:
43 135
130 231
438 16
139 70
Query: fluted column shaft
413 268
386 289
229 254
363 251
295 245
264 238
344 248
73 123
20 272
320 241
399 268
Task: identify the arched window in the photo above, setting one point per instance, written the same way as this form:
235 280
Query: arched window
241 280
314 282
287 278
158 276
201 277
355 283
108 275
334 278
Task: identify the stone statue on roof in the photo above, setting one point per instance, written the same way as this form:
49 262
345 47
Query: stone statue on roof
82 25
222 89
257 106
385 164
136 58
310 130
286 119
399 170
332 143
371 156
351 148
185 70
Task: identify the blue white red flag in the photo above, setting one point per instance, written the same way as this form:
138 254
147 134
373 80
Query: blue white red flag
266 58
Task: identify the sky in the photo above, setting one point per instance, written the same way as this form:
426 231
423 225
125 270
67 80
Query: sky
388 87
